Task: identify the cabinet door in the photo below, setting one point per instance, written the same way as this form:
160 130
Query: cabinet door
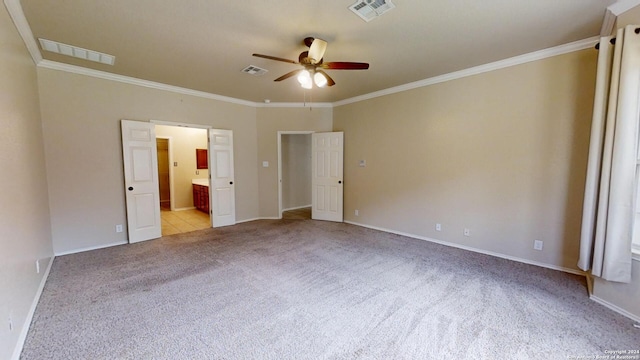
196 196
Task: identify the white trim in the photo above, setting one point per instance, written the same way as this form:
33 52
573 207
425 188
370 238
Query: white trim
621 6
257 218
501 64
468 248
185 208
295 105
27 322
179 124
608 23
297 207
615 308
53 65
17 15
22 25
517 60
75 251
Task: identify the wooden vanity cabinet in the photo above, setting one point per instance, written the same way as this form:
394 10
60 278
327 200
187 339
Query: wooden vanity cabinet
201 197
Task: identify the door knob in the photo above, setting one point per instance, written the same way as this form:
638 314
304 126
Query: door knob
230 182
339 181
130 188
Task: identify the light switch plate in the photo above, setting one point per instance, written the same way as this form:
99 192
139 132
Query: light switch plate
265 164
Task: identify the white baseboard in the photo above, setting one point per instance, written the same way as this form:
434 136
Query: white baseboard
468 248
27 322
184 208
90 248
297 207
257 218
615 308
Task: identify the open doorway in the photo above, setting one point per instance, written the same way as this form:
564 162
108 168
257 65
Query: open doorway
164 177
178 176
294 173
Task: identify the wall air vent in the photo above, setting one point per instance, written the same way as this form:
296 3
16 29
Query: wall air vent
371 9
254 70
77 52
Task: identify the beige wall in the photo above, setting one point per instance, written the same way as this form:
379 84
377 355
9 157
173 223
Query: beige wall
24 209
270 121
81 124
184 142
501 153
630 17
296 170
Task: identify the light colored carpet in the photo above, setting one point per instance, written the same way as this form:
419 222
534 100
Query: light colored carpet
301 289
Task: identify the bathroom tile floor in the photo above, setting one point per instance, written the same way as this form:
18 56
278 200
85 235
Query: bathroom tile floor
175 222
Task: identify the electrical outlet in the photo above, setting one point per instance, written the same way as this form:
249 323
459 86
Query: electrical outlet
119 228
537 244
438 227
357 212
37 266
467 232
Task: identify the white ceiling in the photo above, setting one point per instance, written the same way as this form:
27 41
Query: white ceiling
204 44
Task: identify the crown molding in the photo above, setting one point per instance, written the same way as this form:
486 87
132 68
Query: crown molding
53 65
17 15
612 13
501 64
15 11
608 23
621 6
295 105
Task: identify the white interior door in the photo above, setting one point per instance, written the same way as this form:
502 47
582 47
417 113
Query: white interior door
222 194
141 180
326 182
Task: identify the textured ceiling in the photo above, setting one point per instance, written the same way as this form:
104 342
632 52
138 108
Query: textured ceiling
204 44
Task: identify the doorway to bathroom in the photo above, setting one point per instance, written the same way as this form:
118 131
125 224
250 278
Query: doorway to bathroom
178 171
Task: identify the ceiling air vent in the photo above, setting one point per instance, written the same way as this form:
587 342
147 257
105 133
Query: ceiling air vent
254 70
77 52
371 9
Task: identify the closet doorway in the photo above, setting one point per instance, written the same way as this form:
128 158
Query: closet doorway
294 171
164 172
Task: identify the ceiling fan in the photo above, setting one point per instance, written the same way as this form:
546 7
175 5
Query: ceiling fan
313 65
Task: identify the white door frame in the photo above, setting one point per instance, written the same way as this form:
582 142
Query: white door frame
170 151
280 133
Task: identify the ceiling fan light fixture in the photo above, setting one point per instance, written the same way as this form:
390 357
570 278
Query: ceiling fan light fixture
320 80
304 78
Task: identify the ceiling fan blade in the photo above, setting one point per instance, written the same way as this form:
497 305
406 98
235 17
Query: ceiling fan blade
275 58
344 65
308 41
317 49
330 81
288 75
